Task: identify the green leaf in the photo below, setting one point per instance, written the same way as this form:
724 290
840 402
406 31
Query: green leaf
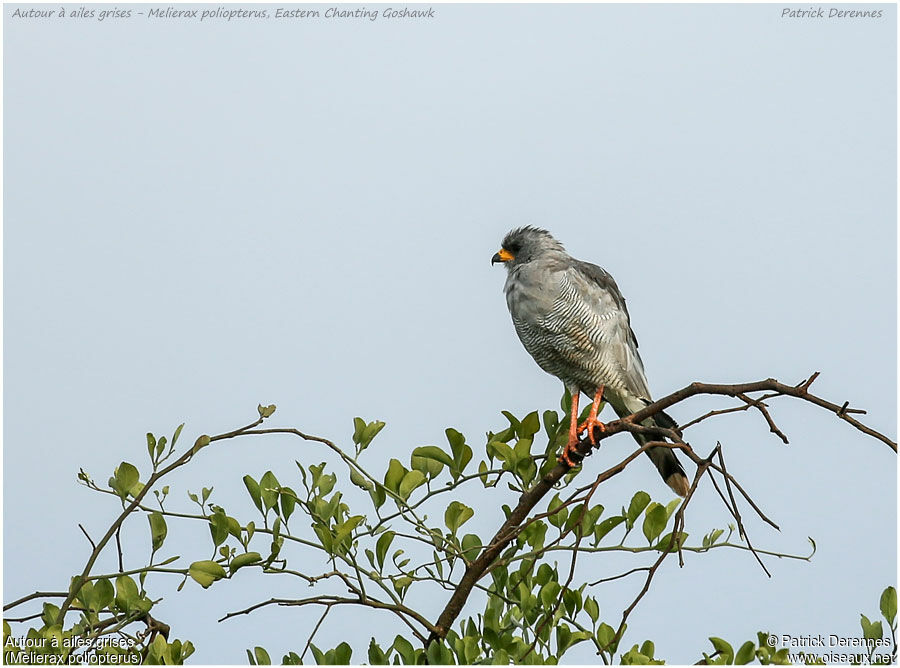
48 616
530 425
482 471
127 595
218 528
435 453
430 466
342 654
151 445
745 654
470 650
158 530
549 594
200 443
654 522
234 528
158 648
471 546
325 483
456 515
262 656
177 434
127 477
606 526
253 488
359 426
85 592
574 522
377 656
394 476
666 543
265 411
551 424
206 572
563 638
103 595
572 602
462 453
382 546
325 537
634 657
638 502
268 489
888 604
605 635
671 506
405 650
435 653
345 529
536 534
244 560
410 482
544 574
556 514
369 433
871 630
592 608
500 450
360 481
378 495
723 648
288 499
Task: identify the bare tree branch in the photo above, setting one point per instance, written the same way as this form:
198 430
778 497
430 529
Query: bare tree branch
401 610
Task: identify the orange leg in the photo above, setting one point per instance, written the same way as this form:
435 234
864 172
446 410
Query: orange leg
573 432
592 420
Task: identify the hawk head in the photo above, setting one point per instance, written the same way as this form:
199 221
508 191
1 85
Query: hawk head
524 244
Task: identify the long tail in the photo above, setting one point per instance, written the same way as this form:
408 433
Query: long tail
663 458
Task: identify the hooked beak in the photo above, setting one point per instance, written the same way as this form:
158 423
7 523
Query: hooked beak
502 255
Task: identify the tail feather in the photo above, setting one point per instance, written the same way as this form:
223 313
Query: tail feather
669 468
664 458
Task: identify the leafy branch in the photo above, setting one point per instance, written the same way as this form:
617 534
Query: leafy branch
532 613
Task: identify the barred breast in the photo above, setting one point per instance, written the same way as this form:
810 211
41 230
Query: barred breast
577 340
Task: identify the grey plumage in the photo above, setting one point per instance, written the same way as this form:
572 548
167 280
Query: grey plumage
572 319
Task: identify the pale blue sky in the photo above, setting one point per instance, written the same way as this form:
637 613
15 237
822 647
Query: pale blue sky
202 217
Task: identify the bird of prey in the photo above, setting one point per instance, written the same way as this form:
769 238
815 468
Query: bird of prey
572 320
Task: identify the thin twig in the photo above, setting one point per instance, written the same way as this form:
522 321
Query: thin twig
32 596
406 614
114 527
119 547
93 545
620 576
315 628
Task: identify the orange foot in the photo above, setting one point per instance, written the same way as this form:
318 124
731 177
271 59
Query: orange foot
571 447
574 431
592 420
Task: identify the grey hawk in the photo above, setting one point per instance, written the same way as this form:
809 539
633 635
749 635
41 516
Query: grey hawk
572 320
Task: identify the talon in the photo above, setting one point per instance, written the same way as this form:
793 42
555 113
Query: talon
564 457
589 425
